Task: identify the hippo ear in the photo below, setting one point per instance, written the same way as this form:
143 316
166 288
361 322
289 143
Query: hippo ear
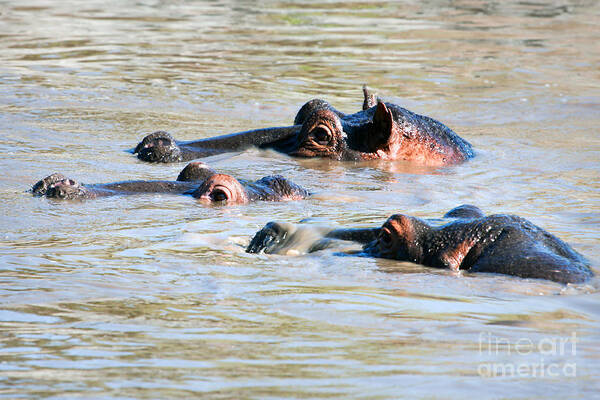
370 98
383 124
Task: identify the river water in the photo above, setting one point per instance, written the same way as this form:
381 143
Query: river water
153 296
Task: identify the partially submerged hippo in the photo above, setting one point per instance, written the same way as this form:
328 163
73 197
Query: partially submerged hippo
504 244
380 131
196 179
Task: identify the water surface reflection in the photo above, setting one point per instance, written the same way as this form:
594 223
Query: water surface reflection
153 296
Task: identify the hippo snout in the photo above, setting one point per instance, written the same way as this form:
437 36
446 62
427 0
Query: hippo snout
66 189
158 147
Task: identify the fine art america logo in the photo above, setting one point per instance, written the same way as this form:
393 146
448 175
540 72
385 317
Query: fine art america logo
546 357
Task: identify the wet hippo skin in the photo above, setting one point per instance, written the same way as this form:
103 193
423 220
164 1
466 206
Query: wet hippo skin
381 130
503 244
196 179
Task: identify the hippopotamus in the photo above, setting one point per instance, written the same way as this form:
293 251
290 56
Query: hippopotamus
381 131
196 179
502 244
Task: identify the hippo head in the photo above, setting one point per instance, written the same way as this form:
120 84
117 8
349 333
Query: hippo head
158 147
400 238
221 188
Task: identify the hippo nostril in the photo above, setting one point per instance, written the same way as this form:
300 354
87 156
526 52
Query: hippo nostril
218 195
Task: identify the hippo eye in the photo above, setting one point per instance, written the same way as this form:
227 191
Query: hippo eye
385 237
321 136
218 195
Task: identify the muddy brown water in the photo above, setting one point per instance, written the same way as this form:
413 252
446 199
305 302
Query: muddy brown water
153 297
